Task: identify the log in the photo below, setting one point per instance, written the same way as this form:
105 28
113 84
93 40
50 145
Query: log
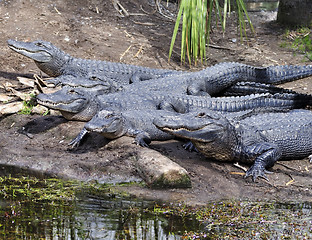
158 171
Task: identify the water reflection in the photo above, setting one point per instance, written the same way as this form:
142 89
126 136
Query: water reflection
105 215
89 218
256 6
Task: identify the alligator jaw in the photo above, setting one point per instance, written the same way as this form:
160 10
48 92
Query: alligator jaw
30 50
73 106
197 129
108 124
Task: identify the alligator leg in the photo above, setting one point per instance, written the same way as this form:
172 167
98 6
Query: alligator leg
76 141
139 76
58 80
141 138
173 105
267 154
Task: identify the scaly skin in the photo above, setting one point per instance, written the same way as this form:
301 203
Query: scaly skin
209 81
81 104
213 80
135 123
261 139
56 63
247 88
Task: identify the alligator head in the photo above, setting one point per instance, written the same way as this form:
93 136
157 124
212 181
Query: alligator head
47 57
210 132
110 124
74 103
84 82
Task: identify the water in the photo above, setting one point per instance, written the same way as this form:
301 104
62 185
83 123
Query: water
259 5
89 218
38 208
41 208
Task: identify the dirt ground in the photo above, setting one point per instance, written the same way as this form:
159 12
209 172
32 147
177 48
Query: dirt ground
94 29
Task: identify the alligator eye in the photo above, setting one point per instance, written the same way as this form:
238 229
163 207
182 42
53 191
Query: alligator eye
202 114
94 78
39 44
109 116
72 91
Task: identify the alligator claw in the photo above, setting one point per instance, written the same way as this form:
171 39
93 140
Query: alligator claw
74 143
141 142
189 146
257 171
53 81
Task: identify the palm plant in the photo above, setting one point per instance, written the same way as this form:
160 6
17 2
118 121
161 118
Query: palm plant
196 23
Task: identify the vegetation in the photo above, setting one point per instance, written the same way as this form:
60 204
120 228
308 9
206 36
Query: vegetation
246 219
300 40
26 188
47 208
197 16
28 105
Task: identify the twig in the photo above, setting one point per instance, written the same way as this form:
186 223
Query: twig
124 53
219 47
140 50
291 168
157 2
291 181
239 166
120 9
148 12
238 173
58 12
146 24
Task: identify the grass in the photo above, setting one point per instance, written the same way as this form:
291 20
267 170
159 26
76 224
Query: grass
28 105
299 40
196 18
29 188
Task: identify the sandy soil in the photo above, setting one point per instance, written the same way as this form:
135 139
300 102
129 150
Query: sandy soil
93 29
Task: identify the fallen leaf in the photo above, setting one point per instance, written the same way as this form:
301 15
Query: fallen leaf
26 81
5 98
10 108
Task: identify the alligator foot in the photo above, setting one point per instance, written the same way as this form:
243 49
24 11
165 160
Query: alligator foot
189 146
76 141
141 142
257 171
142 138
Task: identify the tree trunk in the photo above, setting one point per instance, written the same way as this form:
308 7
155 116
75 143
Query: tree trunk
295 12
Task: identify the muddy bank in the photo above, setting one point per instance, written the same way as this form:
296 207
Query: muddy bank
93 29
40 143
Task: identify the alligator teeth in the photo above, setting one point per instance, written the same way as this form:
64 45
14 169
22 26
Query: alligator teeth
21 49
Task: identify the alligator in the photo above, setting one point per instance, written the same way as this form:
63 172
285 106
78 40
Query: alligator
247 88
137 124
237 89
82 104
56 63
260 139
212 80
209 81
134 123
